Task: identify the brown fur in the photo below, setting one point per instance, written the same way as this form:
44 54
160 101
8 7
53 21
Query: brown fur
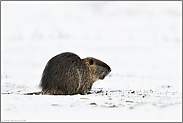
67 74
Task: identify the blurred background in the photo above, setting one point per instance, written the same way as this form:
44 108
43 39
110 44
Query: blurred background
140 41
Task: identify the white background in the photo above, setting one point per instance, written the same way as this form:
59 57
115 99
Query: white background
140 41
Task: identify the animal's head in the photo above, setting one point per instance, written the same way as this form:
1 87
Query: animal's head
98 68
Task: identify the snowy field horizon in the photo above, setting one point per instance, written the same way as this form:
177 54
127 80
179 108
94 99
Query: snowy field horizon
140 41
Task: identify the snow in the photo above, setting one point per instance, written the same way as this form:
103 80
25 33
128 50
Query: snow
140 41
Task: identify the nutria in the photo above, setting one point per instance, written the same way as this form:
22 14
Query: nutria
68 74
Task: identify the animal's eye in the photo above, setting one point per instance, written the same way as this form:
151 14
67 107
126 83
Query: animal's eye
91 62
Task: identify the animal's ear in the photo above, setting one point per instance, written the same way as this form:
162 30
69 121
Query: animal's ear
91 61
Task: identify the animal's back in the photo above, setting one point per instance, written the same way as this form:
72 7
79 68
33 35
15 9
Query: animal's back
62 74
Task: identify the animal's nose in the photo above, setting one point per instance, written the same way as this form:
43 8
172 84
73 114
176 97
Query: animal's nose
109 69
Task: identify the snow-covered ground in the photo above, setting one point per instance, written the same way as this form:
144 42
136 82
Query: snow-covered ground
140 41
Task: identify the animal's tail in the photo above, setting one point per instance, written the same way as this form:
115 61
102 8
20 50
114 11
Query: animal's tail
34 93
